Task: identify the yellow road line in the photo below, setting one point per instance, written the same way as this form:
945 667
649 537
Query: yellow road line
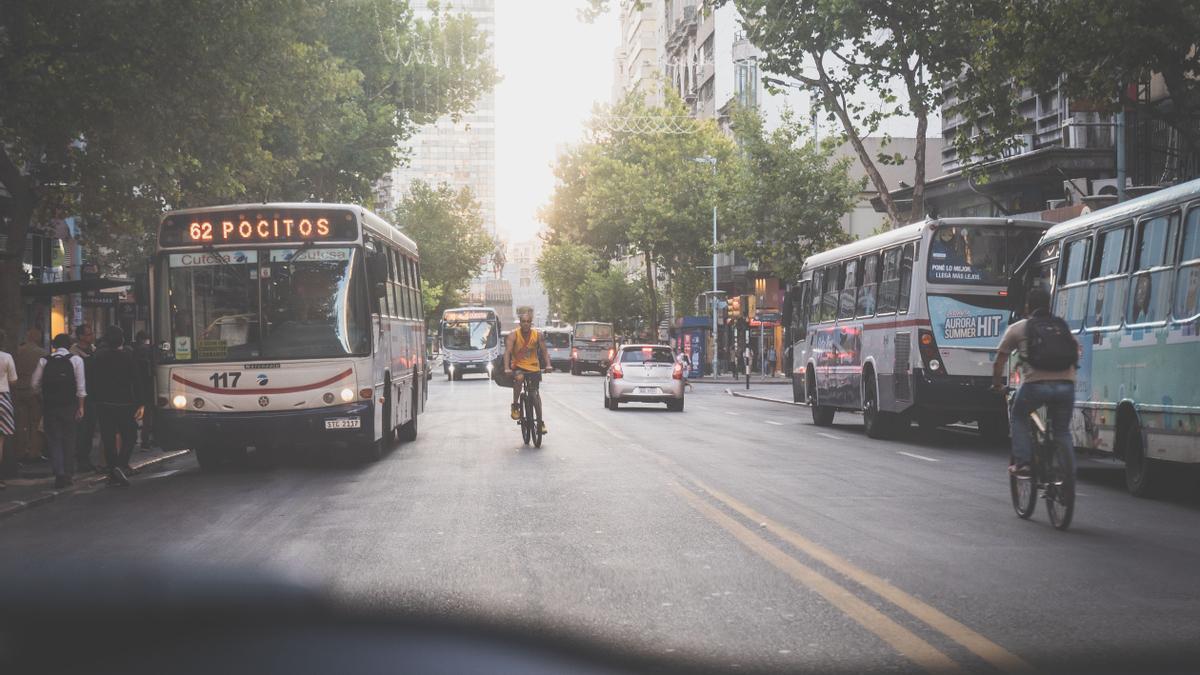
977 644
904 641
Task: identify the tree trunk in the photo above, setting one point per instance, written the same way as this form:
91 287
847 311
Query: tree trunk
11 267
864 158
650 286
917 210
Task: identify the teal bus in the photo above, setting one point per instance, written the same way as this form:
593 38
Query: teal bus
1127 280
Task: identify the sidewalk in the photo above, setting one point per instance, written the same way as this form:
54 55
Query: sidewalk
36 484
754 379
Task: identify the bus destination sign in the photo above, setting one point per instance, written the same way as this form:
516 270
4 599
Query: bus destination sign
251 226
466 315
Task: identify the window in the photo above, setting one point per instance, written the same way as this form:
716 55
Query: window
1187 282
829 295
1071 300
814 292
889 287
398 305
906 268
800 306
1108 288
414 297
1150 300
849 289
870 285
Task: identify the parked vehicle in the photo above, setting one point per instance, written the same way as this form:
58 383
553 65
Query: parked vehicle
643 373
592 347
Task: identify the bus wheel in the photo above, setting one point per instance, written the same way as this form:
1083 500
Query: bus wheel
408 430
1143 476
389 429
878 424
822 415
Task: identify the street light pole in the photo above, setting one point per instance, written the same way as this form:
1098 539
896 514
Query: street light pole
713 303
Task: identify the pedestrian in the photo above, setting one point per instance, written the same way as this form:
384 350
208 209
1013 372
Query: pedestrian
8 375
84 348
142 353
685 365
117 400
29 442
60 381
771 360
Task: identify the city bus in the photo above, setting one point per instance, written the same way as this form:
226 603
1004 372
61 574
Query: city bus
285 324
471 342
904 325
1127 281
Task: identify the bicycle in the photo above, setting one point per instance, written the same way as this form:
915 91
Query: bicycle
531 428
1050 473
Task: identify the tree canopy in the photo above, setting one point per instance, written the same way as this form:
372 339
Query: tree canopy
117 109
448 228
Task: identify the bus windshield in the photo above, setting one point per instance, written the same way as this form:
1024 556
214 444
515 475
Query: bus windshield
469 335
978 255
312 305
589 331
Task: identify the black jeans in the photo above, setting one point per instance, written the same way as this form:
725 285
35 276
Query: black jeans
114 420
85 430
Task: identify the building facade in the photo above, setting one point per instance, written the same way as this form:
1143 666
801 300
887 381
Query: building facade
462 153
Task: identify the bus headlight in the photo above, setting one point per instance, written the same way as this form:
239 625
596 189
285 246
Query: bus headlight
935 365
180 402
347 395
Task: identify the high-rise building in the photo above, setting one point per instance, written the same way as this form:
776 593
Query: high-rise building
636 62
462 153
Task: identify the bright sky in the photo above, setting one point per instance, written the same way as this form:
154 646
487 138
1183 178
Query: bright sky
554 68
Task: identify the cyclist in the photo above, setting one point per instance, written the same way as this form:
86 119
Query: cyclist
523 358
1047 355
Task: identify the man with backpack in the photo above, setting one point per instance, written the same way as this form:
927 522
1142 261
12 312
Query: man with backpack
1047 356
59 379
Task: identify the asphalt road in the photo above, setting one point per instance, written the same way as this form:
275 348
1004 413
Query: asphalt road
735 531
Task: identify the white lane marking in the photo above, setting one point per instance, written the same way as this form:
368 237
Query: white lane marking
730 412
829 436
909 454
778 424
160 474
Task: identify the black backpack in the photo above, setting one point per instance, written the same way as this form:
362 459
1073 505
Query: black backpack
1049 344
58 382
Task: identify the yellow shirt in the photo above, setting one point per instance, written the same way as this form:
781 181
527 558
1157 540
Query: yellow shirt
525 351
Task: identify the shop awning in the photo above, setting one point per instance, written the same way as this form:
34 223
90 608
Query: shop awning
68 287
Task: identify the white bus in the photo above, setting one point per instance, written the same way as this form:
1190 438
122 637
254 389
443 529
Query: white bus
471 342
904 325
286 324
1127 280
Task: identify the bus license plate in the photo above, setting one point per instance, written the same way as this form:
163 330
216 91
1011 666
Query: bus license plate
343 423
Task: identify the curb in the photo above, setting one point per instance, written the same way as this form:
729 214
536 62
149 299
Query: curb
709 380
764 398
16 506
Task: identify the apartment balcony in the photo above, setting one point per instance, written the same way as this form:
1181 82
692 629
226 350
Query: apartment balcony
684 28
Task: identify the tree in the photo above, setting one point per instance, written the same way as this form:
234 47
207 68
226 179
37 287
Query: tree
625 193
448 229
563 268
115 110
1044 45
609 295
887 50
789 196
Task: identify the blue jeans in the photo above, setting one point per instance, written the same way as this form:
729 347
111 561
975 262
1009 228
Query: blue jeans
1059 399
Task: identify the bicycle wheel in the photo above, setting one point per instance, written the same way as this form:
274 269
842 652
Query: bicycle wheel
531 423
525 428
1060 487
1024 495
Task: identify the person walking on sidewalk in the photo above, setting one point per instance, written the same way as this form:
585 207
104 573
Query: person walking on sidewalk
61 383
8 375
117 395
85 348
28 443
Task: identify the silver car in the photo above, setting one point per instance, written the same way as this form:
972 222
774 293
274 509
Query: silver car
644 374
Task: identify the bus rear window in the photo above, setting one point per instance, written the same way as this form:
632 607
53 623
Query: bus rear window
978 255
558 339
588 331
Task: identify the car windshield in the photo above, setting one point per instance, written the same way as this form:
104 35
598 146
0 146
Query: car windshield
771 250
647 355
588 331
978 255
469 335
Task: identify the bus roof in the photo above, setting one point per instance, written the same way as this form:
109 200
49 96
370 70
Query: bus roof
1146 203
906 233
370 221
